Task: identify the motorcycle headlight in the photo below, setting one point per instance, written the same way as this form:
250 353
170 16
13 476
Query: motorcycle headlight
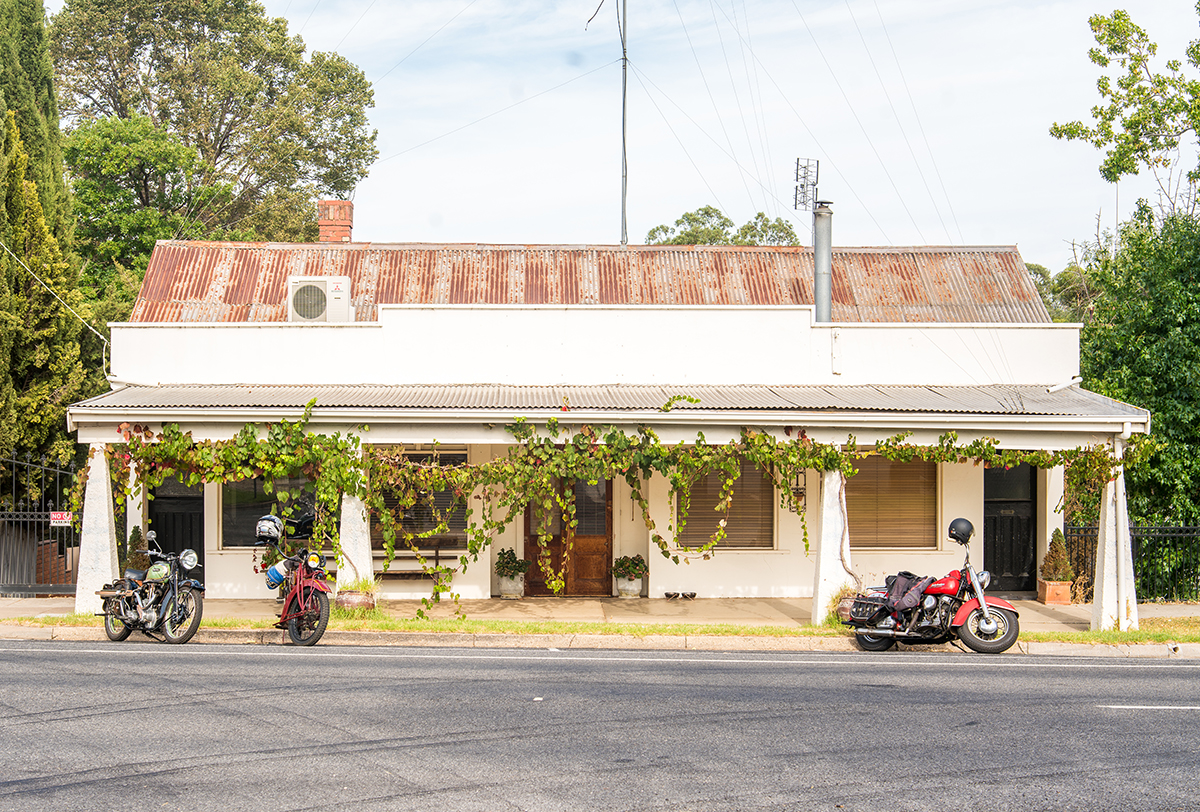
188 559
316 561
985 579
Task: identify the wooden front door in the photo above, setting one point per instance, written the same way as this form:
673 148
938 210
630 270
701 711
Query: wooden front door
589 569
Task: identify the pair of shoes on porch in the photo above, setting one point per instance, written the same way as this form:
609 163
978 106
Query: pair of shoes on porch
690 596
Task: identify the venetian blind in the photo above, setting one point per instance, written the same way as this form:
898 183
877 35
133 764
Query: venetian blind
892 504
751 519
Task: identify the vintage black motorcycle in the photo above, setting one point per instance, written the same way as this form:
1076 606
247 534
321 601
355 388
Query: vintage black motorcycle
159 599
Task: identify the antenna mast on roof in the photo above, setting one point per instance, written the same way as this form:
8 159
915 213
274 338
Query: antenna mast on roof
807 172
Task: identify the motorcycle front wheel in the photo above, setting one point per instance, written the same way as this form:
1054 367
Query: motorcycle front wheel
181 616
1006 633
114 627
307 628
869 642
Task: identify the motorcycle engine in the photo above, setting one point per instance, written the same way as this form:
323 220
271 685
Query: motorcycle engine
934 614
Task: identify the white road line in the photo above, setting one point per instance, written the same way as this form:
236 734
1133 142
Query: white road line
1150 707
862 661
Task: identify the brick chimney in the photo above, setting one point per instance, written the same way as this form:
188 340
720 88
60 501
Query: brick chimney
335 218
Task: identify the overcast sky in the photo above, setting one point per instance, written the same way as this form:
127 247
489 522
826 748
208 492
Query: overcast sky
500 120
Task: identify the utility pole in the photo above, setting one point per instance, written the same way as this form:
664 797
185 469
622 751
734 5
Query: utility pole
624 97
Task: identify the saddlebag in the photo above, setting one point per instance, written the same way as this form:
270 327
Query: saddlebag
905 590
867 608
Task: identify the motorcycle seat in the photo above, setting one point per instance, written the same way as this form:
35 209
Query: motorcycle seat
135 575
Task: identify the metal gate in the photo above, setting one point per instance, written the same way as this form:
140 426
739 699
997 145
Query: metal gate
39 542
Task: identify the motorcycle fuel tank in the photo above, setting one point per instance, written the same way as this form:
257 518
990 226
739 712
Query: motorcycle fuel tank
945 586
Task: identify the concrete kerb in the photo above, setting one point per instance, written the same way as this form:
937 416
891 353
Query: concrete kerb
650 642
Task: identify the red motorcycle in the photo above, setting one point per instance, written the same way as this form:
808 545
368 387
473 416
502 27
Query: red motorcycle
915 610
306 599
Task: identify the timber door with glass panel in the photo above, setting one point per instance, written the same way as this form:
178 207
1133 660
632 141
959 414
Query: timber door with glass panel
589 569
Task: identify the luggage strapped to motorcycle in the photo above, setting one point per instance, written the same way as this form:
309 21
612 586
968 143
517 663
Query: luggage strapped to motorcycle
905 590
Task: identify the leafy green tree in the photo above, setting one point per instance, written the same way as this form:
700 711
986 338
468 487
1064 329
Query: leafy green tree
1142 346
1069 295
40 369
1144 114
763 231
231 85
134 184
27 88
708 226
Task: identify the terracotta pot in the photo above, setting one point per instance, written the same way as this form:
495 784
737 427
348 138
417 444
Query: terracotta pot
352 599
1054 593
629 587
512 588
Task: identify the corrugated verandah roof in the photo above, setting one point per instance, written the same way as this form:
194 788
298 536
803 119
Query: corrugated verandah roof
998 399
239 282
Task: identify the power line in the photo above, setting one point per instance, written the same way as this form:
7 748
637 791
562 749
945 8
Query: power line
733 87
849 186
711 98
637 75
949 203
716 143
63 302
497 112
899 123
854 113
426 41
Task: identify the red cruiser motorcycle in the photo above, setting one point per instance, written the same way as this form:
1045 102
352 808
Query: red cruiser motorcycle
915 610
306 601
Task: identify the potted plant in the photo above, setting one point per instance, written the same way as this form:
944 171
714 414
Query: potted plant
1054 583
628 570
512 573
360 594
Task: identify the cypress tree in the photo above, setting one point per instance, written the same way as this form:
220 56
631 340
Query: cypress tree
40 368
27 86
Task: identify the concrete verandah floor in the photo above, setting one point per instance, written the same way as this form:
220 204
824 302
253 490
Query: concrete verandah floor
708 611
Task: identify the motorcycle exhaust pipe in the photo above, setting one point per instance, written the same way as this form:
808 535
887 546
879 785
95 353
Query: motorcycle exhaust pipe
884 632
114 593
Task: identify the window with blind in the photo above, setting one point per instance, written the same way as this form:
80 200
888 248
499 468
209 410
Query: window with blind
422 517
892 504
751 518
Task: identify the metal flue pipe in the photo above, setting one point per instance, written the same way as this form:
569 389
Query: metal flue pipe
823 260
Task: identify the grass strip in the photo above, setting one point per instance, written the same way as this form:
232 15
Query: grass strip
1153 630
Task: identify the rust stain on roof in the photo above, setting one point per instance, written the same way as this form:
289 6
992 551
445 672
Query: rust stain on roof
216 282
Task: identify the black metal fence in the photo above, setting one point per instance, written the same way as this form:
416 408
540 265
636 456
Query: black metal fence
1166 561
39 543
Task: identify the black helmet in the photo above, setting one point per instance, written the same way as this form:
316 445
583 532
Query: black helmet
961 531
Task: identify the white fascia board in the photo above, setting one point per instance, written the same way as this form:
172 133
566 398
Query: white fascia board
96 424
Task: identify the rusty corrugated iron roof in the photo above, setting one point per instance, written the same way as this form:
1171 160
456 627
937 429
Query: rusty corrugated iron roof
237 282
1002 399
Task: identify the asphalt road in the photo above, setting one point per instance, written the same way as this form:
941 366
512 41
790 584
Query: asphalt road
144 727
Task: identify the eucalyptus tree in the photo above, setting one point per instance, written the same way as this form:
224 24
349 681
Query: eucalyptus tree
275 126
1148 115
708 226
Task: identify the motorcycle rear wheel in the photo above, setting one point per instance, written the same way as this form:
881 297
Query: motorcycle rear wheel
114 627
306 629
1007 630
869 642
190 606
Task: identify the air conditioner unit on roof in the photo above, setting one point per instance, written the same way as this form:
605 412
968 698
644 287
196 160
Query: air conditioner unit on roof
319 299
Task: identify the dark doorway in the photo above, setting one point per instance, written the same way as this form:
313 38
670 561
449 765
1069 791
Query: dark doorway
589 572
176 516
1009 523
